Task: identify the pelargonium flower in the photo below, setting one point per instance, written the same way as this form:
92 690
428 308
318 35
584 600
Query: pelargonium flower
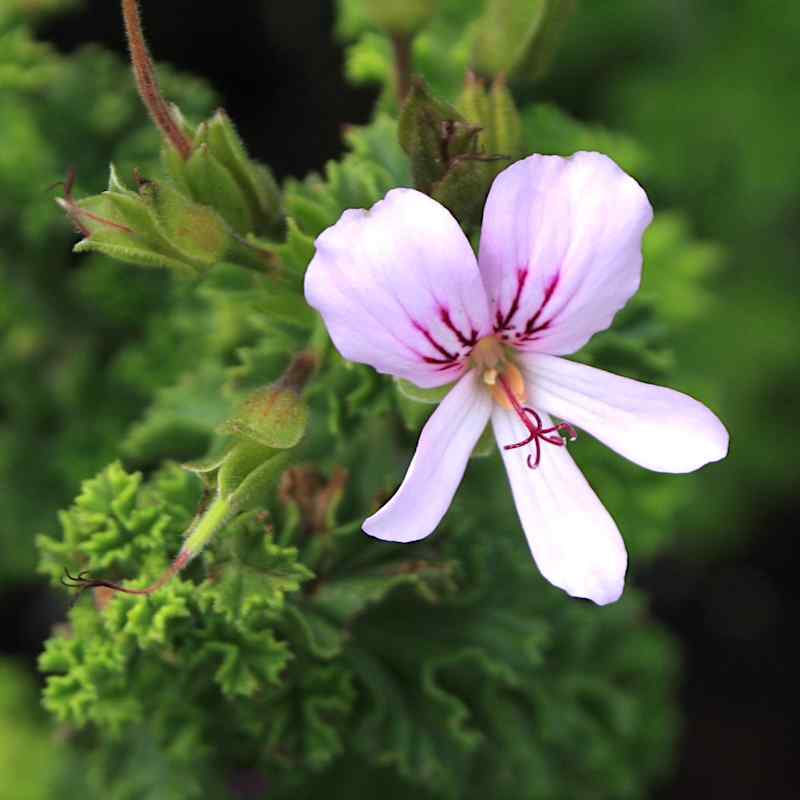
399 288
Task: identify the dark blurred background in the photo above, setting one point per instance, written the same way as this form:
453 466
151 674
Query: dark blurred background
710 89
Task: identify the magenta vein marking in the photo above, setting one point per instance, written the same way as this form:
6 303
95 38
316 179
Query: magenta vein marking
503 323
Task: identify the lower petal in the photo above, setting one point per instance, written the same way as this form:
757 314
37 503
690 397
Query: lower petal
573 539
655 427
444 447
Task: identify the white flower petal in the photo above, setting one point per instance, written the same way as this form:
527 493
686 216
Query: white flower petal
655 427
573 539
399 289
560 249
444 447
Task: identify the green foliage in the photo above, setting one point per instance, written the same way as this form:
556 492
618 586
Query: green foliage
347 648
294 649
440 52
103 531
64 404
418 665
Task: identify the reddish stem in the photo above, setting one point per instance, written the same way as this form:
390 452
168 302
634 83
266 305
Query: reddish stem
147 82
401 42
82 581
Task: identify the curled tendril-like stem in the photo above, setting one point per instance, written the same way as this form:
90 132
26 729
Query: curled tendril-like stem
83 581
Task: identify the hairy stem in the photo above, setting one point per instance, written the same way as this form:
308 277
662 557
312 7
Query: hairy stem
212 520
147 82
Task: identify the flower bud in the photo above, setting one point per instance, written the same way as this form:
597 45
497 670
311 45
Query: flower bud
496 114
195 230
400 16
158 226
519 38
220 173
433 133
451 157
275 416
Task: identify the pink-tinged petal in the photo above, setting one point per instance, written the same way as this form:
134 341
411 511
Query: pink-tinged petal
561 249
655 427
399 289
573 539
444 447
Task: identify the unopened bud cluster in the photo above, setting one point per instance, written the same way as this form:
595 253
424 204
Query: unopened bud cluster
211 206
454 156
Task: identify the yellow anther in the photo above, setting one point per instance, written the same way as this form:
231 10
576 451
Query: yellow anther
488 353
513 379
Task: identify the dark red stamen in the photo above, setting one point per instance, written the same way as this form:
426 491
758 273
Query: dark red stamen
536 433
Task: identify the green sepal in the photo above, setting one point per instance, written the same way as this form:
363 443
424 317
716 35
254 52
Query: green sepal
259 482
194 230
112 244
474 103
210 464
213 184
219 173
519 38
175 166
240 461
504 125
496 113
120 224
255 180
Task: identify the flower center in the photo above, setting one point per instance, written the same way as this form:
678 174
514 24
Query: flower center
508 390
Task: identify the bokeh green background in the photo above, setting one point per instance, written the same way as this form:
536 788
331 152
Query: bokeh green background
709 90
